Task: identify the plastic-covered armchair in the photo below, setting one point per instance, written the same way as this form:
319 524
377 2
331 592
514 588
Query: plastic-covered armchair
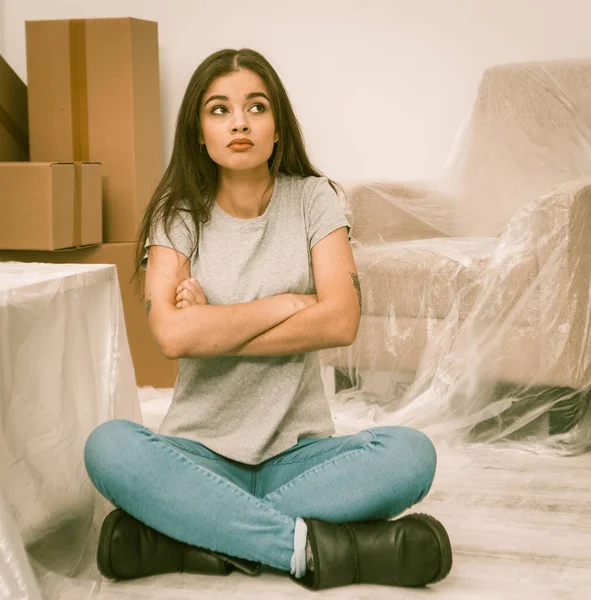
476 287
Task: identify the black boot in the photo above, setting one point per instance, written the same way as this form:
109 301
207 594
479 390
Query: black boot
128 549
412 551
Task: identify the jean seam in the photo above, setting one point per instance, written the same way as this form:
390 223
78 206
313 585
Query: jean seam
319 453
323 465
297 460
166 439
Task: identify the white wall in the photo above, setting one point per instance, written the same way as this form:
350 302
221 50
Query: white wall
380 87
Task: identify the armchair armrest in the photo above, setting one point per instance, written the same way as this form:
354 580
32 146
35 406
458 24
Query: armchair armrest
384 212
565 225
563 248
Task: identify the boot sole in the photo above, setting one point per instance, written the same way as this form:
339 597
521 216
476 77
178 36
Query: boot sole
444 543
104 545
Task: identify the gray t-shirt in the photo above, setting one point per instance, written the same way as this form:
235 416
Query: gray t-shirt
250 409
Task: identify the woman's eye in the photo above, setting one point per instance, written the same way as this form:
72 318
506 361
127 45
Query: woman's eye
224 108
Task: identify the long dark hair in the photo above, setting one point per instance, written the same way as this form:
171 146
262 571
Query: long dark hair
191 178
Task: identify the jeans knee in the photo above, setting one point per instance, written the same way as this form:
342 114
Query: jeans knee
418 450
104 444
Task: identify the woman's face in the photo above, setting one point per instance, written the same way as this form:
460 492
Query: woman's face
236 115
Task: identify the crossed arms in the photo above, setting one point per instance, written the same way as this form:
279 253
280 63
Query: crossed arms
275 326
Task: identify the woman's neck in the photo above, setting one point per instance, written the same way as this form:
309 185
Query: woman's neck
245 199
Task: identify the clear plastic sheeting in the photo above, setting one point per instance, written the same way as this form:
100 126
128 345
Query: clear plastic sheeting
476 287
65 367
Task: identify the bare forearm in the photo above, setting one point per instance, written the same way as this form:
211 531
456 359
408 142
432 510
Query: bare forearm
213 330
314 328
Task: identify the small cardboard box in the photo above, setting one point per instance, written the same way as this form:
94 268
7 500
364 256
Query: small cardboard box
151 367
49 206
14 122
94 95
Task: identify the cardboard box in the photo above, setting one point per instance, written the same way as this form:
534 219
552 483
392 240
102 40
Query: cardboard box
94 95
151 367
14 122
49 206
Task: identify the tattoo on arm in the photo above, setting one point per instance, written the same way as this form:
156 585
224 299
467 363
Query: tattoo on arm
148 306
357 286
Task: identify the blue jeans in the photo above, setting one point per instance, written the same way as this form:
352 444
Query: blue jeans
187 492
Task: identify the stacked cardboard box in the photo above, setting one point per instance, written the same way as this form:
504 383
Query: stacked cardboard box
93 97
48 206
94 94
14 128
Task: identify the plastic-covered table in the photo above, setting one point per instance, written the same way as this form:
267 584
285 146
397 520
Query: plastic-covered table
65 367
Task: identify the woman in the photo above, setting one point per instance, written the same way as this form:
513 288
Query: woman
249 272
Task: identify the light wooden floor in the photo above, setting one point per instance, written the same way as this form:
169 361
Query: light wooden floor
520 526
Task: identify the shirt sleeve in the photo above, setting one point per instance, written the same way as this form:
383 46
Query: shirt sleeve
181 239
324 212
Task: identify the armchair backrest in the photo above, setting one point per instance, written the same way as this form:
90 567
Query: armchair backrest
529 130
